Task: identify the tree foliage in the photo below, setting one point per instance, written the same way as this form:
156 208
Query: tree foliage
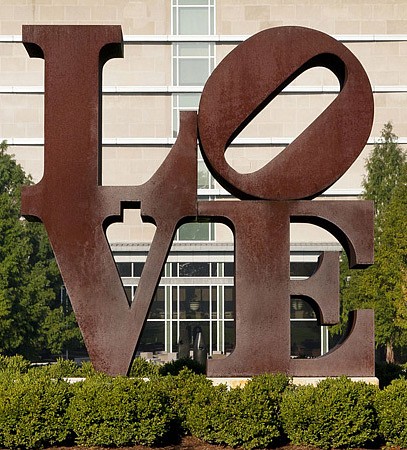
383 286
383 169
31 318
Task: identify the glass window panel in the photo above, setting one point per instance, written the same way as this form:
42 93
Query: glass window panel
193 21
302 269
194 302
214 303
174 338
301 309
214 338
193 49
229 269
229 336
153 337
128 291
174 303
229 302
174 22
214 269
175 122
188 100
194 232
194 269
124 269
137 269
204 177
194 327
193 72
305 339
157 310
193 2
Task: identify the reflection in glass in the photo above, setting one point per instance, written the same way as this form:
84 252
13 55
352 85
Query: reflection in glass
194 232
305 339
194 269
229 308
194 302
191 328
301 309
152 339
157 310
229 328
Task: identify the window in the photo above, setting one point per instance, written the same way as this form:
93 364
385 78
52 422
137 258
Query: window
193 17
196 231
192 63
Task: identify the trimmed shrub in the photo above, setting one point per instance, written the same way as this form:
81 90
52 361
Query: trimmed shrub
86 370
118 411
209 414
391 405
143 369
183 390
33 411
14 364
248 417
63 368
259 423
337 413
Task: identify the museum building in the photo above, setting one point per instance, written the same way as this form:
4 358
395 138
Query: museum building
170 49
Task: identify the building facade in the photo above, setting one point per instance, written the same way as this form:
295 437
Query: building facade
170 49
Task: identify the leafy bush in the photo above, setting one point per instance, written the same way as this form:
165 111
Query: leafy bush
248 417
174 367
143 368
14 364
33 411
182 390
63 368
86 369
118 411
391 408
337 413
208 415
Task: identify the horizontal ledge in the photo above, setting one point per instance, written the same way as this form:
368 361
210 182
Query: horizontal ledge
221 38
167 141
123 90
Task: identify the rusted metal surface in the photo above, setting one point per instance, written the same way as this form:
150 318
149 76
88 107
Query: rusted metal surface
238 89
250 77
263 286
76 208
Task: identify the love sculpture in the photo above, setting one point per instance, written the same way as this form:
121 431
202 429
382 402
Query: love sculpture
76 209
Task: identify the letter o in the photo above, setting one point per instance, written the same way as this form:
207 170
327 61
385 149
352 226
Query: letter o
249 78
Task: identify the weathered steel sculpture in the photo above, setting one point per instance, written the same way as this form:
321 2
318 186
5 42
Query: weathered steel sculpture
76 208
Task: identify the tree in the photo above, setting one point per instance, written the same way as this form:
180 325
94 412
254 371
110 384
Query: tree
383 169
29 276
383 286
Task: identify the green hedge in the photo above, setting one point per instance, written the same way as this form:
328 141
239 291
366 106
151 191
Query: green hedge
119 411
337 413
33 410
39 409
247 417
391 405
